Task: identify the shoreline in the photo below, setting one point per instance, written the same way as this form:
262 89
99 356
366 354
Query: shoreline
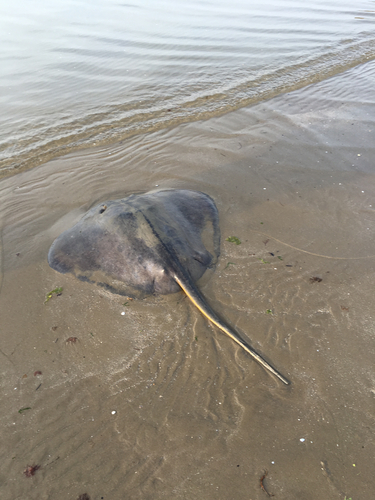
137 405
313 77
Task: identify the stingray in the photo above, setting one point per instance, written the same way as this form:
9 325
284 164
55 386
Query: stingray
158 242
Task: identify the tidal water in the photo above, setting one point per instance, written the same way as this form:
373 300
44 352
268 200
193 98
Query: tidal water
150 402
78 73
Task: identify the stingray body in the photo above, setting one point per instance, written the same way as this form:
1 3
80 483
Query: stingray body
150 243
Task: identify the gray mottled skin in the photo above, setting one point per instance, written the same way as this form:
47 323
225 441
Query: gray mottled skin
134 245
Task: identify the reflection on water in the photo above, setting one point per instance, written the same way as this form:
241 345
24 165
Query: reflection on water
78 73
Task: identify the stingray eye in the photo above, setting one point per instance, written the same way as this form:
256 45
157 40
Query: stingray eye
103 209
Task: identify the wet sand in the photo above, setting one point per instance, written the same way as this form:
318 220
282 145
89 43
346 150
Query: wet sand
157 403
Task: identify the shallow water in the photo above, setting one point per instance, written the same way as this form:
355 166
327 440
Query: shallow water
156 403
78 73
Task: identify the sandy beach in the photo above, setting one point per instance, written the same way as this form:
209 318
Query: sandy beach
156 403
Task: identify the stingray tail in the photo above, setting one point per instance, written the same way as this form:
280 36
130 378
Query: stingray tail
194 295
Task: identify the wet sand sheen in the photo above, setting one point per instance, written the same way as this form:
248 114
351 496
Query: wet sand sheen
156 403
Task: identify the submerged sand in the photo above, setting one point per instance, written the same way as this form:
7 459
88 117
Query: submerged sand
158 404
